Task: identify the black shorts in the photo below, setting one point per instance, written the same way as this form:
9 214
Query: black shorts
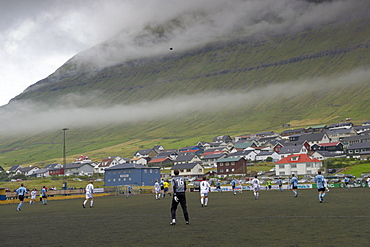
294 187
321 189
21 198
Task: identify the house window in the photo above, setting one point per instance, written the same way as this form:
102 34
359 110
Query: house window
129 179
181 170
124 179
233 170
108 172
108 179
232 163
119 179
188 170
227 170
151 171
145 171
221 164
114 180
156 170
227 163
281 173
308 165
221 170
119 172
293 165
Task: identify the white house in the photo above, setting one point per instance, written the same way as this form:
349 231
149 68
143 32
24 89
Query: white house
299 164
189 169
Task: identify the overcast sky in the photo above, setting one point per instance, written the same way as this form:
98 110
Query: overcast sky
38 36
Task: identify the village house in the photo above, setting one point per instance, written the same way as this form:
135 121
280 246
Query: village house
187 157
27 171
298 164
162 161
335 147
79 169
231 166
338 135
359 150
146 153
189 169
108 162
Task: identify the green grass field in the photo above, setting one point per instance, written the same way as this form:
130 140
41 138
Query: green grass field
276 219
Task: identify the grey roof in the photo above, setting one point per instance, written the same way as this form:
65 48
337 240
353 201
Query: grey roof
240 153
1 169
14 168
41 171
184 166
290 149
326 153
339 131
51 166
311 137
187 157
127 166
366 122
75 165
265 153
144 151
359 145
214 156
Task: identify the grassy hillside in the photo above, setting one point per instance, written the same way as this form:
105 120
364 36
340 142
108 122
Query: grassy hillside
307 78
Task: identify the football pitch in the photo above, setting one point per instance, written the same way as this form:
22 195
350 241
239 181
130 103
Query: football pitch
275 219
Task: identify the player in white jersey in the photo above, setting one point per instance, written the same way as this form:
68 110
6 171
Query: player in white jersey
89 194
241 186
157 190
204 190
33 196
256 187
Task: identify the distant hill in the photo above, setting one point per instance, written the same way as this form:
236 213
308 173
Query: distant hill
243 85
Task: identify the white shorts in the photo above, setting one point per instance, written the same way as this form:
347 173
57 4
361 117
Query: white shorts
157 191
256 188
89 195
33 197
204 194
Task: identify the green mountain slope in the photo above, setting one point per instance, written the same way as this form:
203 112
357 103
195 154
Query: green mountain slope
318 76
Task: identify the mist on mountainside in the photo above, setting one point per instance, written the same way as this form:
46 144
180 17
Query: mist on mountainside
24 117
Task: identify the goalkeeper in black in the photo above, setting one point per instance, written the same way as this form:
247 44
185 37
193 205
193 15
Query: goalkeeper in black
179 188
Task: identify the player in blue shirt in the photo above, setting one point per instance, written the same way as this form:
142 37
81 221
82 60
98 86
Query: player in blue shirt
233 184
294 182
346 182
20 192
320 182
44 196
280 183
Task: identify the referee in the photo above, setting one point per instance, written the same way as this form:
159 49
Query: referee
179 188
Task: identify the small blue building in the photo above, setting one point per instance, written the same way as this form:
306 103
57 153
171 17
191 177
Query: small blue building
130 173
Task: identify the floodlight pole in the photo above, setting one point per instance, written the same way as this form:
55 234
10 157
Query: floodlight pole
64 146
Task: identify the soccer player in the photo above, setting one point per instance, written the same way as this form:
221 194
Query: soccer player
33 196
162 187
89 194
319 180
268 184
294 183
179 188
241 186
166 185
256 187
157 190
368 181
204 190
20 192
218 186
233 184
346 182
44 196
280 183
129 188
